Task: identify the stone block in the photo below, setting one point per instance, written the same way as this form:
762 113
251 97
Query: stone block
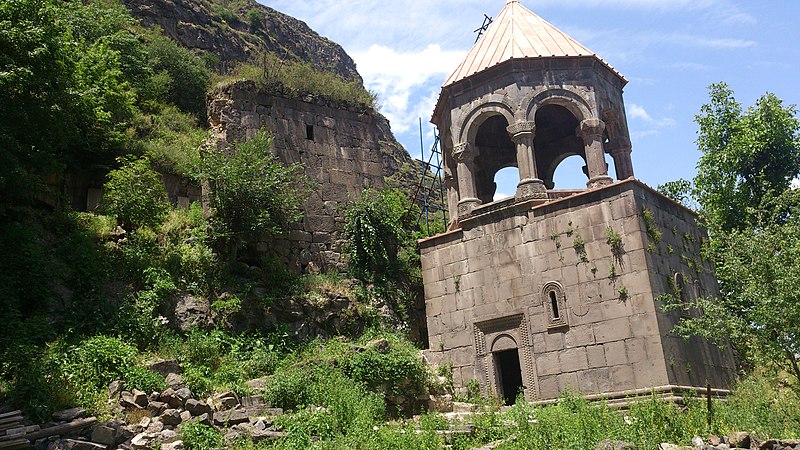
622 377
548 386
596 356
579 336
573 359
568 382
547 364
615 353
465 299
615 308
458 320
636 350
612 330
554 341
595 381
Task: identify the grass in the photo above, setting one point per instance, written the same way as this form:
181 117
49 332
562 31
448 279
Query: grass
299 79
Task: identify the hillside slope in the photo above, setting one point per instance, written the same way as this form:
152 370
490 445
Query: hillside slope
236 31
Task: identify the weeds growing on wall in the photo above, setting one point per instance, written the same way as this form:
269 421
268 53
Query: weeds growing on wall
299 79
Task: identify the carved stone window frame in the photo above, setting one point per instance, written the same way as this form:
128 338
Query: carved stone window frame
555 303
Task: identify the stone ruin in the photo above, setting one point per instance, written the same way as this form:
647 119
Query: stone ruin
556 290
343 147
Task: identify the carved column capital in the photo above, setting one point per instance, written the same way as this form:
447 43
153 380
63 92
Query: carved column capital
620 145
590 127
521 129
465 152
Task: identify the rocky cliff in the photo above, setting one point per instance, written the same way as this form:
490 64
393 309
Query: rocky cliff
235 31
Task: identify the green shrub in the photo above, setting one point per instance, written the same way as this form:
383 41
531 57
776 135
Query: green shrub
171 138
61 376
189 75
198 380
287 388
375 234
196 436
762 403
138 377
252 193
343 406
135 195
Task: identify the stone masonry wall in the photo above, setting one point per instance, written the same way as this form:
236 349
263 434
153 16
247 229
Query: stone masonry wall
484 284
673 242
344 149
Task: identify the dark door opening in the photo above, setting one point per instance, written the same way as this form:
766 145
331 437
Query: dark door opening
509 374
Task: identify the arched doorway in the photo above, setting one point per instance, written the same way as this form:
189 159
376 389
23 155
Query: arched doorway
505 354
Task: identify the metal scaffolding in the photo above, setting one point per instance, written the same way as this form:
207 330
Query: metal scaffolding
431 185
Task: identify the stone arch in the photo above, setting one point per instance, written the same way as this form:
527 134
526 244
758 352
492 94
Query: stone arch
556 139
468 128
572 101
503 342
495 151
554 301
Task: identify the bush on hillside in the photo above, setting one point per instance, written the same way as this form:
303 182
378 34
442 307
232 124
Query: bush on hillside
135 195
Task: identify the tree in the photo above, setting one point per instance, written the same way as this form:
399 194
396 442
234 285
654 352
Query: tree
743 191
135 195
252 194
747 157
375 232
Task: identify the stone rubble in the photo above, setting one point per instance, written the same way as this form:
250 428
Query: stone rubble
161 415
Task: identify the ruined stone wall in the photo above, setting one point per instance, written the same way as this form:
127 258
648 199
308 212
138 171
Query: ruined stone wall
344 148
488 285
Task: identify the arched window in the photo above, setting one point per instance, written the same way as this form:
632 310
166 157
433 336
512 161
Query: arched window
683 293
555 304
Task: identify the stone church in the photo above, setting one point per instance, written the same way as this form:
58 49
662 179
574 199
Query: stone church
555 290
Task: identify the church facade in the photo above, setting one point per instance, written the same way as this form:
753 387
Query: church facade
556 290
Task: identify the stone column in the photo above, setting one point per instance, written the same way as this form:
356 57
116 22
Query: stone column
591 131
530 186
465 154
452 197
621 152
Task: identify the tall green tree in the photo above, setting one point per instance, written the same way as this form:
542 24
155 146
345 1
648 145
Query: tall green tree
744 196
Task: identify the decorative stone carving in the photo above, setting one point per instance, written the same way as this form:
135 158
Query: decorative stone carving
465 152
531 189
521 128
515 326
555 303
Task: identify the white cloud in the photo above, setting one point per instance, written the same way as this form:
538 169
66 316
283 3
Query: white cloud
637 113
407 82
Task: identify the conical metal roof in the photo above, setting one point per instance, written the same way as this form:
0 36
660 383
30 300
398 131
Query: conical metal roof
519 33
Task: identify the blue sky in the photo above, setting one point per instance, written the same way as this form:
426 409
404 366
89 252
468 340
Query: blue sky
669 50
